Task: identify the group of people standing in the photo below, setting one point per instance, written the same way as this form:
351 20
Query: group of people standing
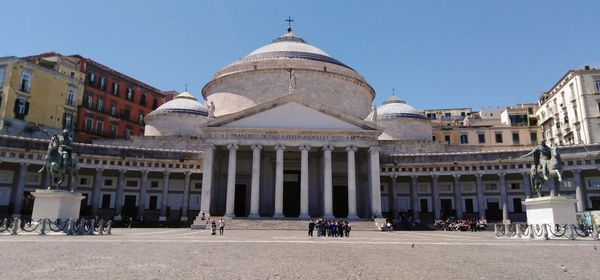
329 228
213 227
461 225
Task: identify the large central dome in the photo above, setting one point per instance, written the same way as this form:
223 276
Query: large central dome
289 65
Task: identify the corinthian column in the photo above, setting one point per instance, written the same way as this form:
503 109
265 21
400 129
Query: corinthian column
351 183
304 181
255 186
279 181
375 181
328 188
231 166
457 197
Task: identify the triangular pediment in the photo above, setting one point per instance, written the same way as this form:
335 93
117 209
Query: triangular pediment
292 112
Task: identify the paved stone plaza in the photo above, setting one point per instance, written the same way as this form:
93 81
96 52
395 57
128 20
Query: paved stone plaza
185 254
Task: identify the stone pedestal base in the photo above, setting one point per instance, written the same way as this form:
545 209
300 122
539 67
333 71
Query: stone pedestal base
56 204
551 210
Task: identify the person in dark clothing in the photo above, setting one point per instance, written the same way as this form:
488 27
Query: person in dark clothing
311 227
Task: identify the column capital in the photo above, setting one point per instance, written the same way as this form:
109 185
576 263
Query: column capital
435 176
374 149
166 172
328 148
414 177
232 146
479 175
279 147
394 175
209 147
145 172
99 169
351 148
577 171
256 147
122 171
24 164
187 173
304 148
525 174
501 174
456 176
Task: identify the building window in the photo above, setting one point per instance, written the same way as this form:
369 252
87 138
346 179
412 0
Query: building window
25 84
490 187
126 113
89 101
113 131
462 114
106 201
481 137
143 99
498 137
433 138
100 104
21 109
67 120
533 137
447 115
464 139
115 88
127 133
91 78
99 127
469 205
113 108
129 94
102 83
515 186
153 202
515 138
447 139
1 76
71 96
597 85
141 117
154 184
89 123
154 103
517 205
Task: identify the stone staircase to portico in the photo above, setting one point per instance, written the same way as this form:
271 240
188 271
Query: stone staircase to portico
275 224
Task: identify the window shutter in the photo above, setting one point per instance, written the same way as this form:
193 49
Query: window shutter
16 109
26 108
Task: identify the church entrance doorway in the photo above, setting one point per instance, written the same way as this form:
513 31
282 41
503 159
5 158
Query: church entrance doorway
291 194
129 209
446 207
239 208
493 213
340 201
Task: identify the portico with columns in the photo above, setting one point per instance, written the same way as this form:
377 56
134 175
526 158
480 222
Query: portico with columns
301 169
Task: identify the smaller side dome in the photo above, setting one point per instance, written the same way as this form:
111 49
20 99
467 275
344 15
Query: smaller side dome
395 107
178 117
402 121
182 103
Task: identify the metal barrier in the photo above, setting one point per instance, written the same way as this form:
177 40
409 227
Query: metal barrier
546 231
82 226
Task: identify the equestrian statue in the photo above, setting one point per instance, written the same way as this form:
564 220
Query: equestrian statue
59 161
546 166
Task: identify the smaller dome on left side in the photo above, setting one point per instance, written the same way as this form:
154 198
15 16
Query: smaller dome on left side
181 116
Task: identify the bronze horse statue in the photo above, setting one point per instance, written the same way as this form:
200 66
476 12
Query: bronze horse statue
553 167
56 165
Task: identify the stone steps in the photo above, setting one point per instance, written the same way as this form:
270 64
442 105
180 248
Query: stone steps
276 224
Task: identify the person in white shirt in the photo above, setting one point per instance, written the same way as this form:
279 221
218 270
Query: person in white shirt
221 226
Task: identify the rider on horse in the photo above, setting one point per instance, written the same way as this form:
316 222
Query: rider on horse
541 155
65 148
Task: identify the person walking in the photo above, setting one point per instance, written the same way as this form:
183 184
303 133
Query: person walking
221 226
311 227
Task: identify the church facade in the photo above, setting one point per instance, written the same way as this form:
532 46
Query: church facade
288 131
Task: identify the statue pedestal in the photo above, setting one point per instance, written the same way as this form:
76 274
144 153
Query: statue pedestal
551 210
56 204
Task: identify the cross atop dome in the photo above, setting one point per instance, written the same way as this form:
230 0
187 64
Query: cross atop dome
289 20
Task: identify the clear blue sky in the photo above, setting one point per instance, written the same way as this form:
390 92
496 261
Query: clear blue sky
436 54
